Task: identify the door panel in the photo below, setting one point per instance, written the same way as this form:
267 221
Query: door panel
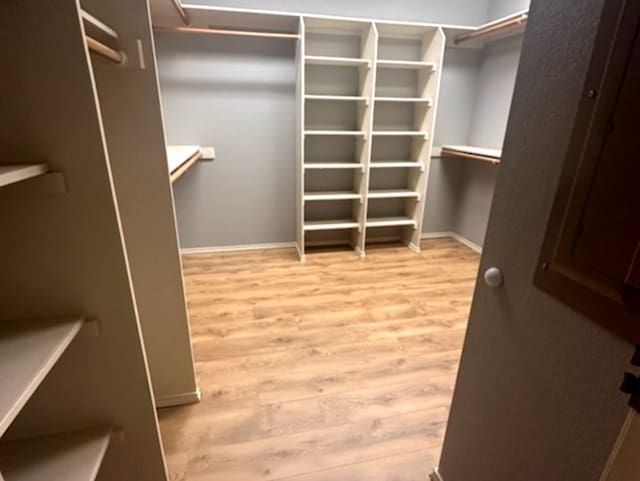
537 394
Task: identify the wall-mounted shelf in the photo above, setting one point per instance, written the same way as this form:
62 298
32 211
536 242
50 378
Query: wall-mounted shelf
28 351
400 133
11 174
393 194
331 195
470 152
391 222
397 164
337 98
338 224
405 99
332 166
337 61
352 133
181 158
74 456
406 64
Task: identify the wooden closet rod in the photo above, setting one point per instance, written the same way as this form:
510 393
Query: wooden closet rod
182 12
214 31
521 19
104 51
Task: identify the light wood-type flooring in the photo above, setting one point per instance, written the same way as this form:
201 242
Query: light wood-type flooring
335 369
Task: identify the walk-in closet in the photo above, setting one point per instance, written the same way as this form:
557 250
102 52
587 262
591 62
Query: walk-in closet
249 240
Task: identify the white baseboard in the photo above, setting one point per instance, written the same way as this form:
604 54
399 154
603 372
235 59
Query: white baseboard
179 399
435 475
453 235
286 245
244 247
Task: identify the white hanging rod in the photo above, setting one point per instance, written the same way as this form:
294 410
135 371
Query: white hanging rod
182 12
215 31
105 51
518 20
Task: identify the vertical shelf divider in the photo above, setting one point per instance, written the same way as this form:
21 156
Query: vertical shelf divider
365 114
300 106
433 45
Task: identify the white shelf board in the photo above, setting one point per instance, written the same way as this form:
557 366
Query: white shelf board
11 174
331 195
28 351
177 155
404 99
93 22
338 98
337 61
75 456
337 224
335 132
406 64
396 164
393 194
400 133
390 221
469 151
330 165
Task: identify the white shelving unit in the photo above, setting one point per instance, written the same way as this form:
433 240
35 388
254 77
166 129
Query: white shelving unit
67 253
74 456
367 94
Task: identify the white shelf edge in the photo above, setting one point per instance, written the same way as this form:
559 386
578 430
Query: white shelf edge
29 349
393 194
404 99
329 165
336 61
73 456
331 195
406 64
99 24
400 133
14 173
330 225
390 222
355 133
396 165
339 98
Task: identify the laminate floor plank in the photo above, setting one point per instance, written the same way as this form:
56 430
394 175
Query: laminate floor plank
337 368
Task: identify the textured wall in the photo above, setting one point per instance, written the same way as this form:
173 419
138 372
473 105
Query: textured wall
537 393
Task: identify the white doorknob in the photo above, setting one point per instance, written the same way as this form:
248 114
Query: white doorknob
493 277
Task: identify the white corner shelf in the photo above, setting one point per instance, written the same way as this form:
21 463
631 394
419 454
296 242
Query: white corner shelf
406 64
74 456
331 195
393 194
316 225
354 133
28 351
11 174
337 98
394 164
390 222
337 61
332 165
427 101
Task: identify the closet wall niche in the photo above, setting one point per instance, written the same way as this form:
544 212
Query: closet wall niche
367 94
